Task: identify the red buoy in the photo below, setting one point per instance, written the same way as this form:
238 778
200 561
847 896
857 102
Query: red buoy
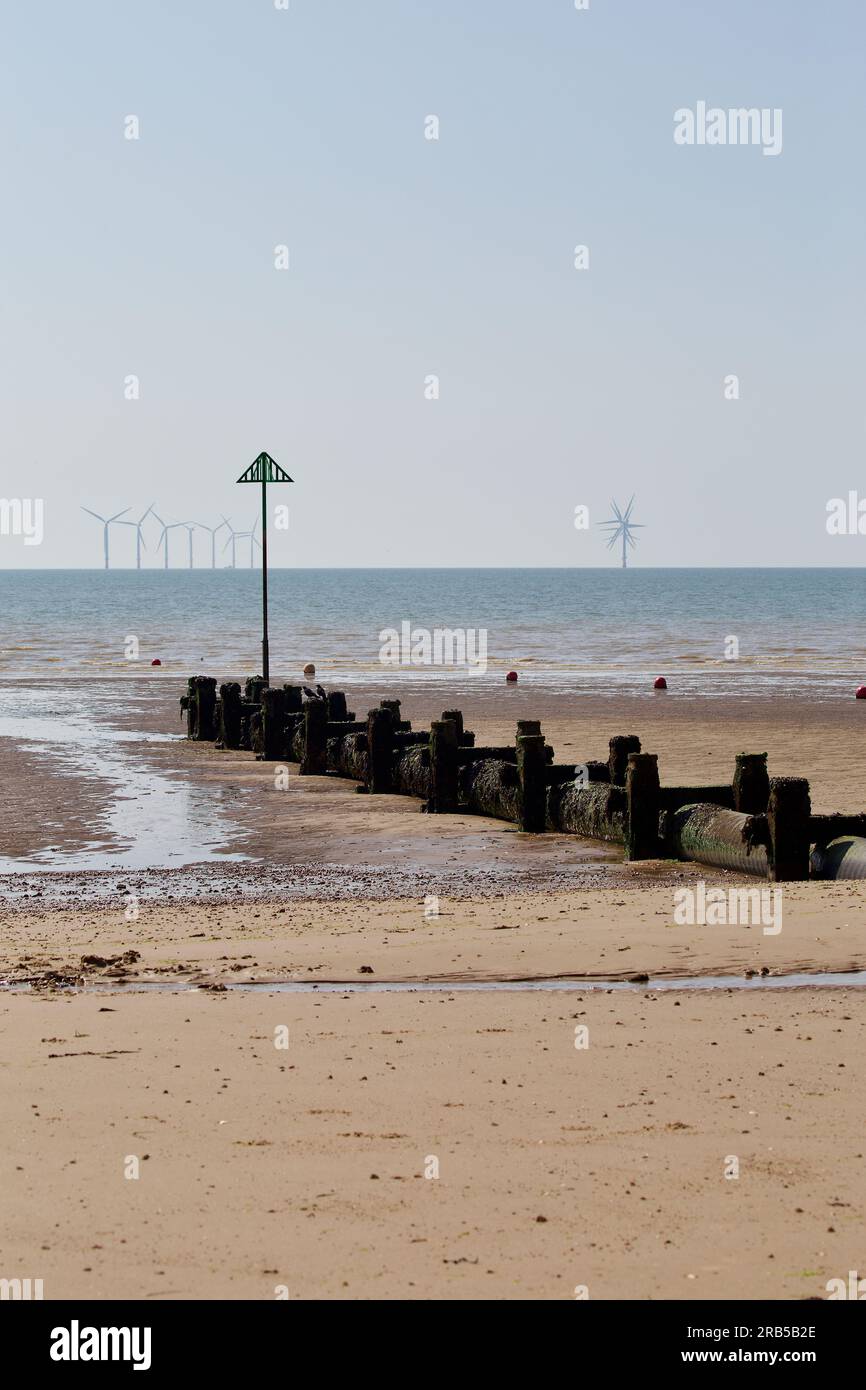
156 661
660 683
512 676
860 693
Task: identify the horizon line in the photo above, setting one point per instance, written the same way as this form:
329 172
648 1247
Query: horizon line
420 569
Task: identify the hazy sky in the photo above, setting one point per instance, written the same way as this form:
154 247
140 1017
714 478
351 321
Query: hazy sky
261 127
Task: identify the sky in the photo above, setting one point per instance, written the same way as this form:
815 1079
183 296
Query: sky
412 258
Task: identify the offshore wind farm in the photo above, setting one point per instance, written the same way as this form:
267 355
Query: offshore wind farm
227 554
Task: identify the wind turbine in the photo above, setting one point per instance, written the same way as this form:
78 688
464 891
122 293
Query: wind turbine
157 517
106 522
213 535
620 527
163 540
139 539
246 536
253 540
233 535
190 526
242 536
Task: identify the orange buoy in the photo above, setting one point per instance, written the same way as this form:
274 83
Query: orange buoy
860 693
512 676
660 683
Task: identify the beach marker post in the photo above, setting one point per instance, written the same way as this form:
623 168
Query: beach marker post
265 470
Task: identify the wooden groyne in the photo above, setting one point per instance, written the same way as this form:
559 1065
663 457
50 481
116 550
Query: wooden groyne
754 825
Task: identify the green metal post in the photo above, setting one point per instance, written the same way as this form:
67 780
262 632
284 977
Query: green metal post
266 663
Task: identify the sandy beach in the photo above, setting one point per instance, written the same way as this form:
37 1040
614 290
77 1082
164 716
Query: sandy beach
308 1171
305 1168
432 653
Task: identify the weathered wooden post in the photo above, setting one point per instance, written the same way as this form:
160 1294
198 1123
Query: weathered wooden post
230 715
337 710
294 720
788 820
398 722
273 735
443 766
380 750
532 774
201 708
528 726
642 803
253 687
620 746
751 784
314 760
457 716
189 707
207 709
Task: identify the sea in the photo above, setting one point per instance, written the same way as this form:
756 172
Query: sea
714 632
